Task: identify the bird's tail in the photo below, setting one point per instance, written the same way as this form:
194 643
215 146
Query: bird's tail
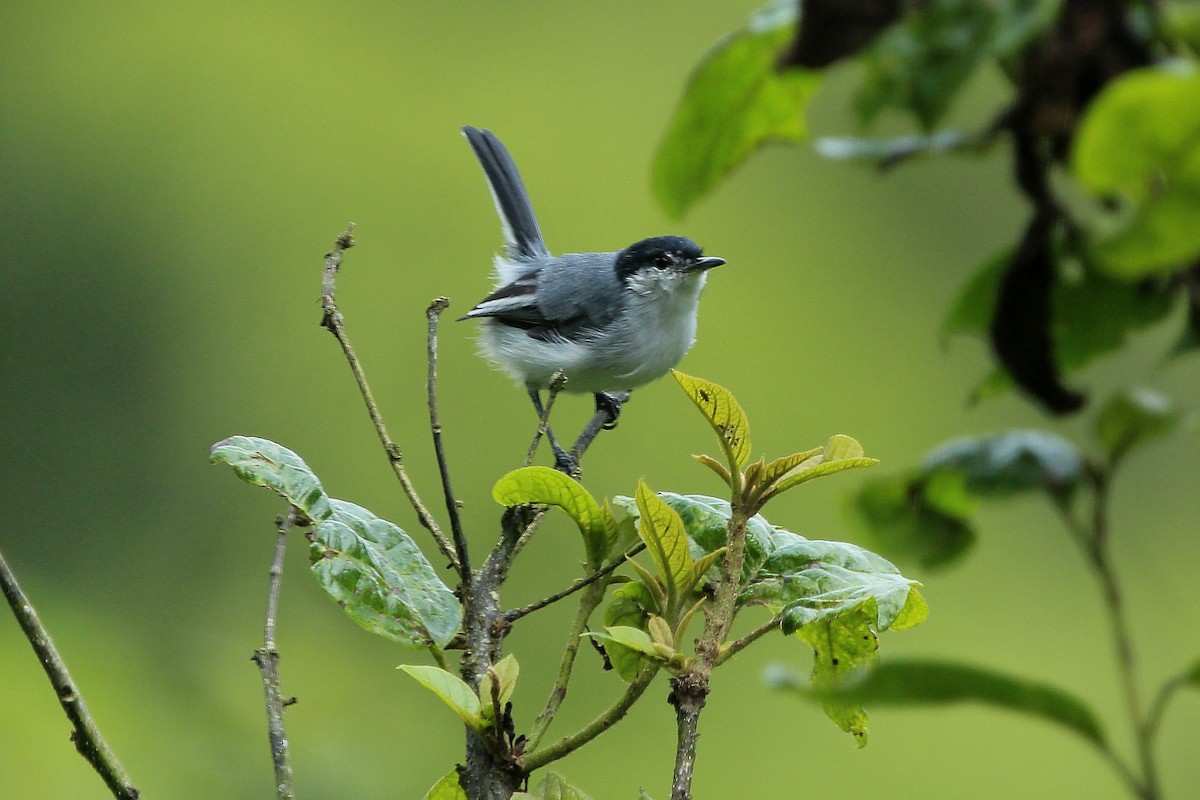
521 231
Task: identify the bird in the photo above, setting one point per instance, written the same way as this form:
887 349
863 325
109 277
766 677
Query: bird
609 321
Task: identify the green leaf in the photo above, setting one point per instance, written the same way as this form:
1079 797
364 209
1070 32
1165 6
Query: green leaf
662 530
1010 462
552 787
840 453
702 565
453 691
907 683
630 607
381 578
262 462
634 639
722 411
920 64
785 464
736 100
811 581
716 466
1193 676
448 788
975 305
841 645
926 519
1140 140
1130 418
549 487
503 675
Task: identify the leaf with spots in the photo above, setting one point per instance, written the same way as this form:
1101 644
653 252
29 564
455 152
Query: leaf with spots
381 578
841 645
722 411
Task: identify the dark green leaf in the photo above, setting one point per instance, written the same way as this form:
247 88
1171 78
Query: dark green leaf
1140 140
925 520
630 607
736 100
1131 417
906 683
972 310
922 63
265 463
1010 462
381 578
1193 675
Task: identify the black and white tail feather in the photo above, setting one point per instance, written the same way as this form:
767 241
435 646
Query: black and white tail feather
610 321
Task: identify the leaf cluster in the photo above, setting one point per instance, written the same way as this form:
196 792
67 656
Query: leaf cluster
1103 122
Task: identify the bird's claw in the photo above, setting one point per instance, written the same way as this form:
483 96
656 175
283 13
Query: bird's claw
610 404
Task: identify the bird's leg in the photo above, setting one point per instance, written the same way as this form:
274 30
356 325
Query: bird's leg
563 460
610 403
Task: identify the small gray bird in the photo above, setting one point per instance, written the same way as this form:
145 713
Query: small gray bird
609 321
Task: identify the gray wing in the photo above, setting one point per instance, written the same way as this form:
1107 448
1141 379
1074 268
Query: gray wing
564 297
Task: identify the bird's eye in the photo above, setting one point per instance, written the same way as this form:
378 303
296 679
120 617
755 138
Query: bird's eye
662 261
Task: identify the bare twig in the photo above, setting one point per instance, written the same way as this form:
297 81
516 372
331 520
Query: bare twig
86 735
516 613
432 315
332 321
557 382
267 658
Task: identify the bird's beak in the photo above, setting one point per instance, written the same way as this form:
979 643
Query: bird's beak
702 264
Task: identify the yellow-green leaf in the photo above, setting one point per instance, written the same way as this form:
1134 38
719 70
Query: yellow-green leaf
722 411
549 487
666 541
785 464
453 691
840 453
717 467
503 675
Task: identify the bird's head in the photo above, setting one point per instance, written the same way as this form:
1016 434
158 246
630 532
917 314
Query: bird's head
664 260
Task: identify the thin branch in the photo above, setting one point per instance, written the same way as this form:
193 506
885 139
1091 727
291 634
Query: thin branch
1122 639
599 725
557 382
750 638
333 321
86 735
267 658
516 613
1159 707
432 315
558 693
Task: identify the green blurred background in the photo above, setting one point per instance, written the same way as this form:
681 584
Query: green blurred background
170 175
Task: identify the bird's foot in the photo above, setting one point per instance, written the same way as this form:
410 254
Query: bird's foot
609 403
